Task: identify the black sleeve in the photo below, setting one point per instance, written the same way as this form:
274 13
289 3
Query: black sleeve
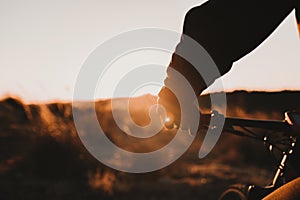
228 30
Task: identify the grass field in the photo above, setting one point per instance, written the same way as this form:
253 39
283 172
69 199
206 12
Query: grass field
42 157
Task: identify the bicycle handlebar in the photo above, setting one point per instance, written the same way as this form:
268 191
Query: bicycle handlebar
230 122
265 124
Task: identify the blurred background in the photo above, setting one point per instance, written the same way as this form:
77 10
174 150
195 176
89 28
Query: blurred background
43 157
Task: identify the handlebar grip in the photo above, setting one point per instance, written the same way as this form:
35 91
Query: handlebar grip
230 122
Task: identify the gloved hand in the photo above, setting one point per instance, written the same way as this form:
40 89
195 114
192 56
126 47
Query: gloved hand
187 83
168 100
180 102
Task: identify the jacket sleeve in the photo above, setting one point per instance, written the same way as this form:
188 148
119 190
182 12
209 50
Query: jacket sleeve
228 30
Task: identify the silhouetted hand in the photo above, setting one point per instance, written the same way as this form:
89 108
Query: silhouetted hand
178 116
168 100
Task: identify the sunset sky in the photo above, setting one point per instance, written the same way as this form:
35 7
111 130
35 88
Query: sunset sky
44 44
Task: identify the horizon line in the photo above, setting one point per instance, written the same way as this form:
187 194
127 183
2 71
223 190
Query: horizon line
57 100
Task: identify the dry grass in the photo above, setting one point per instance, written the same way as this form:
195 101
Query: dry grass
43 158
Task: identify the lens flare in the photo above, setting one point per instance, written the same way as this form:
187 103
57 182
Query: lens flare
169 121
